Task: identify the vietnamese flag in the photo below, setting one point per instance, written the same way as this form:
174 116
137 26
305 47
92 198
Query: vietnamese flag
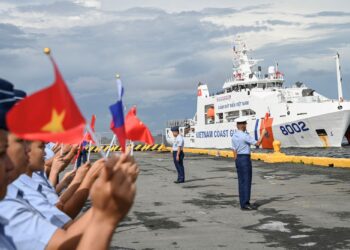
50 114
137 130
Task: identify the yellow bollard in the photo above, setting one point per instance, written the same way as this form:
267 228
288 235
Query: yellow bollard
276 146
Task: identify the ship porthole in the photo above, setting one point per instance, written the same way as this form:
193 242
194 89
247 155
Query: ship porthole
288 112
340 107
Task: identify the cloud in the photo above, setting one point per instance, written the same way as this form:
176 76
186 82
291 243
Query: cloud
329 14
59 8
161 54
281 22
12 37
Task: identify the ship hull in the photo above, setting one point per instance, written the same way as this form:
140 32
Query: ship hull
322 130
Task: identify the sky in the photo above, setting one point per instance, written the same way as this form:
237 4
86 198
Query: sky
162 49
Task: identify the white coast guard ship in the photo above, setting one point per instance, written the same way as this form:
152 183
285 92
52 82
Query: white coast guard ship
297 116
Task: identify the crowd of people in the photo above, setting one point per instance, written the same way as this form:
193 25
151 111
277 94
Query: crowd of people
41 202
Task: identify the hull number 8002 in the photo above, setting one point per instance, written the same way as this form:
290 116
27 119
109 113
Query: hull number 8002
290 129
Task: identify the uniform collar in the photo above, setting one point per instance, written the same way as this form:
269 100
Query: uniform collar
40 178
28 181
14 192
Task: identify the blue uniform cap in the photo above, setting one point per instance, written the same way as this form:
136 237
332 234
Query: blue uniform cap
19 94
175 129
7 100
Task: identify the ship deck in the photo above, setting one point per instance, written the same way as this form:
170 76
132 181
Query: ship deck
300 207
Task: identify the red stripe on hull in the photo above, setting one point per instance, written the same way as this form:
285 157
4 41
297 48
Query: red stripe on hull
266 123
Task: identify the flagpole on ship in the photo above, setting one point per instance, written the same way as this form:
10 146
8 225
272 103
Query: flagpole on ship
339 79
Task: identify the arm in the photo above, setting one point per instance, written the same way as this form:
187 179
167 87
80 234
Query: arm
262 136
69 238
66 181
179 148
122 188
234 154
178 153
102 226
72 201
58 165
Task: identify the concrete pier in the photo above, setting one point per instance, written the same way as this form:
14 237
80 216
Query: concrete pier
300 207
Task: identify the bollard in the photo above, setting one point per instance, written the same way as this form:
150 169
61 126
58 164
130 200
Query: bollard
276 146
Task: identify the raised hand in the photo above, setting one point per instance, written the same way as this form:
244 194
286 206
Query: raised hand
114 191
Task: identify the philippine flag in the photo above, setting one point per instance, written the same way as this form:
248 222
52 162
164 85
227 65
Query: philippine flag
117 110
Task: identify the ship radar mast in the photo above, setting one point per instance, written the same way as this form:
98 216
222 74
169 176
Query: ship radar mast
242 65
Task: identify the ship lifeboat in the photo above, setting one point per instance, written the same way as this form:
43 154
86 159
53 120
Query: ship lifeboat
211 113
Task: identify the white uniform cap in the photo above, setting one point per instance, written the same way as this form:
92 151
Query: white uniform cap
241 119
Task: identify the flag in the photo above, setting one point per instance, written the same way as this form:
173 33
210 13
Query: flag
117 110
136 130
50 114
92 125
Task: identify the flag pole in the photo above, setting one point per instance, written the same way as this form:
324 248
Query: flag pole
132 148
88 157
93 135
110 145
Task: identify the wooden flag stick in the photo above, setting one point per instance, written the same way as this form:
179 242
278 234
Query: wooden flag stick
110 145
88 156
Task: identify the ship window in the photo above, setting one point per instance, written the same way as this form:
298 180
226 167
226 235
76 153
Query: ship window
220 117
247 112
232 115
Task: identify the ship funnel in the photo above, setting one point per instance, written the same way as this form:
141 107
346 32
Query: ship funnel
202 90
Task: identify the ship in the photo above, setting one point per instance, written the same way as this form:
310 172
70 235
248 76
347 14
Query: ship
297 116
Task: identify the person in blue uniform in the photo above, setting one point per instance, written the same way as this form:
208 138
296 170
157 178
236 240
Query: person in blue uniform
241 143
6 102
178 155
82 157
22 226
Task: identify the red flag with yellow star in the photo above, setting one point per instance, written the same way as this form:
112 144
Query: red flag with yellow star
136 130
50 114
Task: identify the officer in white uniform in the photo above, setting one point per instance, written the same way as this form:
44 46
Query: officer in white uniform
178 155
241 143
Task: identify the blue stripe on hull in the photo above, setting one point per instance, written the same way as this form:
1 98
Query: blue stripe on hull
256 129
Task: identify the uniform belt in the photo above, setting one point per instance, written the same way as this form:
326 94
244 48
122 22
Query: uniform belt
243 154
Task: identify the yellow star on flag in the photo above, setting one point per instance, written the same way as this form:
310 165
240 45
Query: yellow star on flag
55 125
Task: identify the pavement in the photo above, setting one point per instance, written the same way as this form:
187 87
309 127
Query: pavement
300 207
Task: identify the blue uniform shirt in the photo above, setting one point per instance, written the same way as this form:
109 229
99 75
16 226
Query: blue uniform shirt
47 188
32 192
5 241
26 226
241 142
178 142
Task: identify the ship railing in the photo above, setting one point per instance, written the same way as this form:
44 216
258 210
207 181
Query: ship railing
180 123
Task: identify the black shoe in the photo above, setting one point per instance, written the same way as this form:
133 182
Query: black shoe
248 207
177 182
